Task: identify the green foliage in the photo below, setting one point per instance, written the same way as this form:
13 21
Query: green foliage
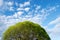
25 31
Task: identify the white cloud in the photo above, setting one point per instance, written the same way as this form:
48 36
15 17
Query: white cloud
49 9
23 9
54 31
56 28
6 6
43 11
17 4
0 38
38 18
56 24
52 8
19 13
11 9
17 16
38 7
21 5
25 4
57 20
19 9
27 9
9 3
1 2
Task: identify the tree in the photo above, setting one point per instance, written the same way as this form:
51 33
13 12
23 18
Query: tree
25 31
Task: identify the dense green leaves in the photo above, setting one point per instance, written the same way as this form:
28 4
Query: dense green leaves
25 31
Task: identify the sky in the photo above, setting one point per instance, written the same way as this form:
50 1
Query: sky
43 12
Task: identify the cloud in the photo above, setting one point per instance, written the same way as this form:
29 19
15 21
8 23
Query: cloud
19 9
56 28
0 38
19 13
23 9
6 6
57 20
56 24
11 8
9 3
25 4
54 31
1 2
38 7
31 15
27 9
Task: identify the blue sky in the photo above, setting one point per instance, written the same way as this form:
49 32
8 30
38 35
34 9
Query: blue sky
44 12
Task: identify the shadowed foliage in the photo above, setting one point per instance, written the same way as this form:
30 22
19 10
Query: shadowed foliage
25 31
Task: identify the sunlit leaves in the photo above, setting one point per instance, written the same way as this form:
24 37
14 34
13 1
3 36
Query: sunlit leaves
25 31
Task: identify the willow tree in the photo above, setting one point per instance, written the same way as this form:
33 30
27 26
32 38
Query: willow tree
25 31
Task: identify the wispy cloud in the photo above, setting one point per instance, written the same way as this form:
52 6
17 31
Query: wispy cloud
56 21
34 16
54 30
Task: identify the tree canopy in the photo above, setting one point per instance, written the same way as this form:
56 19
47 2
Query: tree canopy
25 31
